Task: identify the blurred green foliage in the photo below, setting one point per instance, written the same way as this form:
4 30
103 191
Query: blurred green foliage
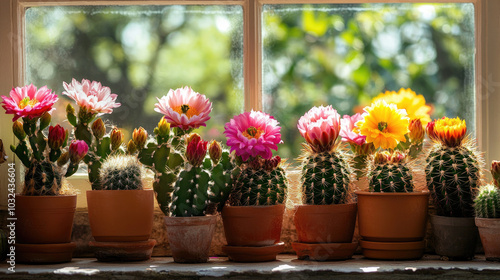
344 55
340 55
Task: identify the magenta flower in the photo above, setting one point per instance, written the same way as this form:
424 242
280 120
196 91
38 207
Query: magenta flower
348 125
184 108
57 135
77 150
253 134
320 127
92 96
29 102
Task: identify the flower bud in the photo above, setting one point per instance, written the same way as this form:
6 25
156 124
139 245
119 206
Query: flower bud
495 172
215 151
116 138
77 150
430 131
382 157
70 110
163 128
193 137
398 157
140 136
196 151
45 120
417 132
57 135
131 147
63 159
18 130
98 128
272 163
256 163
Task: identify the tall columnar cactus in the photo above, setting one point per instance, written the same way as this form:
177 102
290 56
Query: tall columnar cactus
487 202
260 182
326 171
390 172
121 172
190 194
222 168
454 168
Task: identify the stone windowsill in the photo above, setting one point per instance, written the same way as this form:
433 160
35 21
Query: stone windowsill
286 267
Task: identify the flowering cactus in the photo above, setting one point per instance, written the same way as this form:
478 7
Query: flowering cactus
325 168
454 168
350 134
252 135
39 153
495 172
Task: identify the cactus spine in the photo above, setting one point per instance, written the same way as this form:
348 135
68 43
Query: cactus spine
222 178
260 182
487 202
190 195
121 172
390 173
325 178
42 178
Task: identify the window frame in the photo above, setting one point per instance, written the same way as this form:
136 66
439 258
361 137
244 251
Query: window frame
486 74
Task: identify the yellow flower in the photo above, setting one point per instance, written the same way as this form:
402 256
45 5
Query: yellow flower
384 125
450 132
407 99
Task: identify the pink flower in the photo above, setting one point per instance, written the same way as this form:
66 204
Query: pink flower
184 108
92 96
320 127
196 151
347 133
57 135
29 102
253 134
77 150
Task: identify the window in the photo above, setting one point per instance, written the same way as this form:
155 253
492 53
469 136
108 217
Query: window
251 73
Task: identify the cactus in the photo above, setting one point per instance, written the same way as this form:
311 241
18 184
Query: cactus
390 172
453 168
260 182
163 156
42 178
325 178
39 154
222 178
121 172
487 202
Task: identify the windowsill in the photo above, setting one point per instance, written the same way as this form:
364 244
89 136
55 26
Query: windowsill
285 265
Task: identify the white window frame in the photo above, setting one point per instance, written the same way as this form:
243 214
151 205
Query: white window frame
487 71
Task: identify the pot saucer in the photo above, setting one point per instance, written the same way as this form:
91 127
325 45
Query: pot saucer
253 254
393 250
123 251
324 251
44 253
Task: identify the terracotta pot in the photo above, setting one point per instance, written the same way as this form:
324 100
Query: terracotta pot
392 217
45 253
454 237
121 215
123 251
315 224
44 219
489 230
190 237
393 250
253 225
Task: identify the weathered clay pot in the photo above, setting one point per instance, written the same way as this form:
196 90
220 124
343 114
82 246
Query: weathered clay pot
121 215
44 219
45 253
325 223
392 217
454 237
190 237
489 231
253 225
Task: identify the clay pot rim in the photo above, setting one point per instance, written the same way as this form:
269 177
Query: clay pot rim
190 221
326 206
392 246
415 193
119 191
45 196
487 222
244 211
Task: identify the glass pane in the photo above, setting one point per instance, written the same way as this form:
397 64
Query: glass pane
344 55
140 52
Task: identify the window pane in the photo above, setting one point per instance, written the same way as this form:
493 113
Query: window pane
140 52
344 55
